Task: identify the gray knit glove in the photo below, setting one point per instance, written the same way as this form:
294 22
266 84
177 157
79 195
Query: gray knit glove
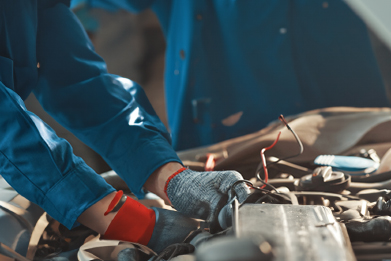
203 194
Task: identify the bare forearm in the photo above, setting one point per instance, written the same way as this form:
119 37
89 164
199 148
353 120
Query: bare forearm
157 180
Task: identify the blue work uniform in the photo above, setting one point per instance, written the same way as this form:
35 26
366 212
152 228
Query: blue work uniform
44 49
257 59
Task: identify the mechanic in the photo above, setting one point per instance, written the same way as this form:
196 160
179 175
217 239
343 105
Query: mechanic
232 66
44 49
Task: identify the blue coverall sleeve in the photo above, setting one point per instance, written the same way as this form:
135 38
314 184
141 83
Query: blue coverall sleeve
33 160
109 113
42 166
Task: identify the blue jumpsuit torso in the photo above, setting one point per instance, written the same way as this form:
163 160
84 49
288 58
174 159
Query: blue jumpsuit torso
258 59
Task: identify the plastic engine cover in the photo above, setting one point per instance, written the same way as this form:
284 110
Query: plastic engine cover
295 232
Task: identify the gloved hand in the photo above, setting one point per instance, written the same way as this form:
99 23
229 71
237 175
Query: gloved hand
203 194
171 227
157 228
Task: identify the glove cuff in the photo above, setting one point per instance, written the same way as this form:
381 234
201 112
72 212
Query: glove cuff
115 202
171 177
133 222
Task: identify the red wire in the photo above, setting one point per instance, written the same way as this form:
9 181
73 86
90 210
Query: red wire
264 160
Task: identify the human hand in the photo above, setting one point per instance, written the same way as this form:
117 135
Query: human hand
203 194
156 228
171 227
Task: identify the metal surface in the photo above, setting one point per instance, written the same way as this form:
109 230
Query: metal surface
295 232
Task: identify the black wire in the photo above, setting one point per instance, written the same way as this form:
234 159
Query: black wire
242 181
265 192
232 189
270 185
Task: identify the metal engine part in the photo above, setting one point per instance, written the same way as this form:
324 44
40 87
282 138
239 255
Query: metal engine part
295 232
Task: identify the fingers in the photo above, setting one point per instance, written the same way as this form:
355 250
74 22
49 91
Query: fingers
242 191
213 218
228 178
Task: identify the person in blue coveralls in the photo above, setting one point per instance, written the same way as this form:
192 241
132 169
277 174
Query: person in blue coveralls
233 66
44 49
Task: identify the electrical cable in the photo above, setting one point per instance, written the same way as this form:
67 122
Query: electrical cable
269 185
248 183
263 164
281 118
265 172
251 185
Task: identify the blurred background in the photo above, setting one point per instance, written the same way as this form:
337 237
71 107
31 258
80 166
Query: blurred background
133 46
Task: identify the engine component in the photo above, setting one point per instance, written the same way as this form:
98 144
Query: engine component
377 229
382 207
323 179
369 154
295 232
172 251
348 164
276 165
233 249
349 215
373 194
